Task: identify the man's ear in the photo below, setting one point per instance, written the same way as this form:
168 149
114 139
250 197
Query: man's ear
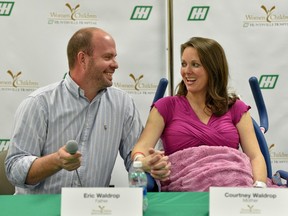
81 58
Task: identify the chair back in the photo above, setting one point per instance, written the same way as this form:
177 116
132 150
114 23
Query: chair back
264 147
264 123
160 91
6 188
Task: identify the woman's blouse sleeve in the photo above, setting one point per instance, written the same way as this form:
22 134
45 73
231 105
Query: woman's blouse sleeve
238 109
165 106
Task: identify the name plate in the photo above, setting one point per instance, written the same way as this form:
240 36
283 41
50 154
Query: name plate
227 201
101 201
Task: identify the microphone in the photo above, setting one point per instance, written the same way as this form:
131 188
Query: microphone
72 148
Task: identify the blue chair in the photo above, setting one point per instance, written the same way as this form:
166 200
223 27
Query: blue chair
264 124
280 174
160 91
6 188
261 129
161 88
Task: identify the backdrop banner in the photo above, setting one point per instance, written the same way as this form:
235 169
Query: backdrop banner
253 34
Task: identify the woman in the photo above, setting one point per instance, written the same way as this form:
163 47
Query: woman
202 121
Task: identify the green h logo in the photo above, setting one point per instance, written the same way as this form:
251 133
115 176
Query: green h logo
141 13
4 144
268 81
198 13
6 8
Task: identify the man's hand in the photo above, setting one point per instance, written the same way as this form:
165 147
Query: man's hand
68 161
48 165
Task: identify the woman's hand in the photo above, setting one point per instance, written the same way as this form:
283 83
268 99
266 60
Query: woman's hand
159 165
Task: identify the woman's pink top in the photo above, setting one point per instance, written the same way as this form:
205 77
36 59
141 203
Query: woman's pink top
183 129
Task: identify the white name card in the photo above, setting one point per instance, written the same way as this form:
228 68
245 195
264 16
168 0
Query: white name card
234 201
101 201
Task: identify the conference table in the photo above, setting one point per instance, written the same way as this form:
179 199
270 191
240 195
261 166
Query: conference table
160 204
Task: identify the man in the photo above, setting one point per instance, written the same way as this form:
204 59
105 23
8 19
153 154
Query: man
83 107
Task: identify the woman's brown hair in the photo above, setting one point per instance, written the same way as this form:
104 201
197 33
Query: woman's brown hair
213 59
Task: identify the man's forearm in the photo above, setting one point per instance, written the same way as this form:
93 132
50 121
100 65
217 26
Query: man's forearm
42 168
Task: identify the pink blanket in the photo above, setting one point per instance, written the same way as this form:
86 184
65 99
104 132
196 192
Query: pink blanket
198 168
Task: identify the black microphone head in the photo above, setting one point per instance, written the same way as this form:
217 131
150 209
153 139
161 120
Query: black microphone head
72 146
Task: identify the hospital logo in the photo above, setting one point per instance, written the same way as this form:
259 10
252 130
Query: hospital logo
15 83
268 12
102 210
136 84
277 156
4 144
198 13
270 147
73 10
250 209
14 77
268 81
267 17
72 14
136 80
6 8
141 13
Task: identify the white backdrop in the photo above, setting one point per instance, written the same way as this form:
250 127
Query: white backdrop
34 35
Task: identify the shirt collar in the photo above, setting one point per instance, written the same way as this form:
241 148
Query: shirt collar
76 90
73 87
